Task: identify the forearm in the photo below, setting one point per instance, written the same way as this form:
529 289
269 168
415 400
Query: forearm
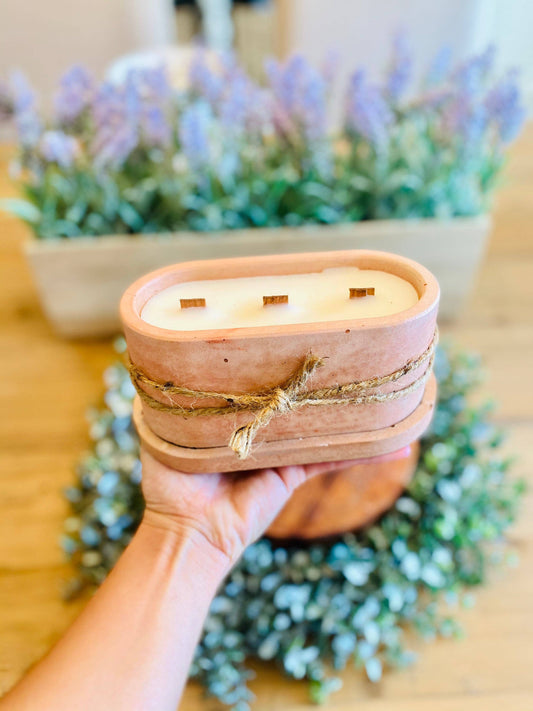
132 646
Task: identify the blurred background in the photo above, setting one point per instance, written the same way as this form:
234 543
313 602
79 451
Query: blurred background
64 33
135 134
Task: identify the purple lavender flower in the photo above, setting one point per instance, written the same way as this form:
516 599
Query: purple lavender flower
285 80
156 130
116 113
439 67
29 128
300 93
467 119
401 65
367 112
468 112
131 96
505 108
313 108
470 76
21 91
74 94
115 147
27 120
203 80
131 114
235 99
194 133
58 147
107 106
152 83
259 118
228 90
243 106
149 93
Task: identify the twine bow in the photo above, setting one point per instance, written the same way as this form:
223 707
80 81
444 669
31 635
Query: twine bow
285 397
282 400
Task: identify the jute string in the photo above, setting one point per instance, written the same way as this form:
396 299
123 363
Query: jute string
283 398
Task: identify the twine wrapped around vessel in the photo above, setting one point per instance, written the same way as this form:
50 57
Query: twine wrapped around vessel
285 397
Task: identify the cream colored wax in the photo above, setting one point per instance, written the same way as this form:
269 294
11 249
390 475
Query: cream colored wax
320 296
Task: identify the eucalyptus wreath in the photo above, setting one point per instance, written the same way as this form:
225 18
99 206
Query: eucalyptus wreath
313 607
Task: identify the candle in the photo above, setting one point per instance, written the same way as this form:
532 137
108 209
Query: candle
290 359
334 294
267 361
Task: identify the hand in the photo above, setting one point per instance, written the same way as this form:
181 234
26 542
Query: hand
229 511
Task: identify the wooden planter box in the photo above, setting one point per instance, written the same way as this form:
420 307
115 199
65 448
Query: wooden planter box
81 281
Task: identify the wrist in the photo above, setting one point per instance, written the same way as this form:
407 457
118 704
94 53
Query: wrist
175 538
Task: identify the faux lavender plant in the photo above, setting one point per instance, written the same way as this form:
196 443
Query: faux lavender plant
368 114
142 156
74 95
300 98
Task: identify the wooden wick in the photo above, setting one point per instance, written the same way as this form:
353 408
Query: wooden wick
358 291
190 303
276 299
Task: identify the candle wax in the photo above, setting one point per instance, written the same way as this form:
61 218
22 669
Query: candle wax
320 296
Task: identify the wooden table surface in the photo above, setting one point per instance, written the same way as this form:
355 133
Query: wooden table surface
47 384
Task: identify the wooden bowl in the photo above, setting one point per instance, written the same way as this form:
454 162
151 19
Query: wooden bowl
254 359
341 501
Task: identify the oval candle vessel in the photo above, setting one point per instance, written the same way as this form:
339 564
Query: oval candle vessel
259 359
300 450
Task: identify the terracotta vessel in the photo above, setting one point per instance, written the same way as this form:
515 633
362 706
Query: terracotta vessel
254 359
347 499
282 452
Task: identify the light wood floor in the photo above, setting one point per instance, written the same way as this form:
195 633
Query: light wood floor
47 385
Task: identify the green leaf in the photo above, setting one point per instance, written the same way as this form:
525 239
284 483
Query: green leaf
64 228
76 212
130 216
23 209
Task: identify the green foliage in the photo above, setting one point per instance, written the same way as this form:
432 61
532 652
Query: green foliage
406 184
313 608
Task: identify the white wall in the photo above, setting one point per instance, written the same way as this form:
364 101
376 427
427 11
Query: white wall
44 37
